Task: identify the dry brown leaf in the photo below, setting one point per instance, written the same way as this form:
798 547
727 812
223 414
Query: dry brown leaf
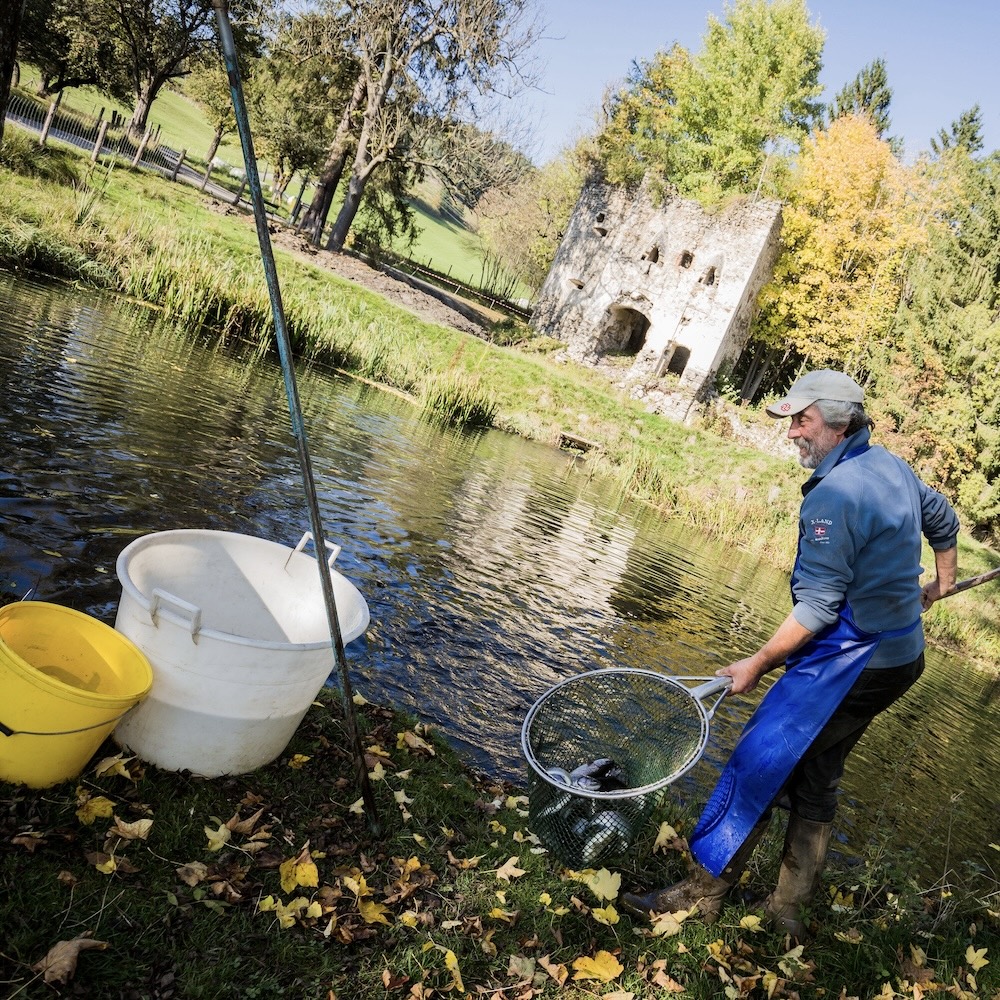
31 840
558 972
59 963
192 873
244 827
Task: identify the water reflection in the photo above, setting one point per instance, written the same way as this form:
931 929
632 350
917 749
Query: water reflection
492 567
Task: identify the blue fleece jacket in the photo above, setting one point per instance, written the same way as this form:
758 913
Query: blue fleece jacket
860 527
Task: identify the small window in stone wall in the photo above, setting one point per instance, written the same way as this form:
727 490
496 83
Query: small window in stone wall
652 254
679 360
686 259
708 278
599 227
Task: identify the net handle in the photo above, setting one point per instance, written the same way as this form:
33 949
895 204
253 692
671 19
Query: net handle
709 686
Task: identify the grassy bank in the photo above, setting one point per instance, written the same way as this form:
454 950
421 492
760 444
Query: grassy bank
199 261
274 884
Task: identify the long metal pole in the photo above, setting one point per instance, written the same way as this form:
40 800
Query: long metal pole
291 391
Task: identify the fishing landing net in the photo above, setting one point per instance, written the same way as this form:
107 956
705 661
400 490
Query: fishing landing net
601 748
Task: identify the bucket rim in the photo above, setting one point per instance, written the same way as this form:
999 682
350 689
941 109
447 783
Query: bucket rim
623 793
231 638
69 692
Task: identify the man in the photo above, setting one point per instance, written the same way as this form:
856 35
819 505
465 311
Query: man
852 644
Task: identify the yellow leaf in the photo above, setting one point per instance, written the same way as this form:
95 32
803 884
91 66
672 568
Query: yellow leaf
513 801
669 924
918 955
976 957
300 870
603 884
373 913
545 899
451 964
421 840
509 870
414 742
217 839
107 867
95 808
266 905
377 773
401 797
409 919
751 922
603 966
608 915
558 972
314 909
359 699
666 838
507 916
358 807
113 765
298 761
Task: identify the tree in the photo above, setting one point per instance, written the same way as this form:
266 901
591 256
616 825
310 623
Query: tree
868 94
947 337
965 133
709 124
850 230
418 62
10 32
208 87
65 48
522 224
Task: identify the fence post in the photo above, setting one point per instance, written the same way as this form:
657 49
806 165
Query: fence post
142 148
239 194
99 141
177 165
48 119
208 173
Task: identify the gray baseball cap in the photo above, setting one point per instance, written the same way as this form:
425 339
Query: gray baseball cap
823 384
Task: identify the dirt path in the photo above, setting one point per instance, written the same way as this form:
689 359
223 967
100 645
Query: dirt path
424 305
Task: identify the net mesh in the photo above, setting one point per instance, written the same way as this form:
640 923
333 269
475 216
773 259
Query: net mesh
601 748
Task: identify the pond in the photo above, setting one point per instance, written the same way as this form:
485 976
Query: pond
492 567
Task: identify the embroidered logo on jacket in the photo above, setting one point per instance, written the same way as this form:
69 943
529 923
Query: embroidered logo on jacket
819 529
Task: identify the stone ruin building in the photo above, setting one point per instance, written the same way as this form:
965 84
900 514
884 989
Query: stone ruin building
668 285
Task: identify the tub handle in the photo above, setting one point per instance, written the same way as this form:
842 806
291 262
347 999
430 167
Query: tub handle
308 537
171 602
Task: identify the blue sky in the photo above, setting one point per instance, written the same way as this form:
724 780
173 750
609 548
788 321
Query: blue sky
941 57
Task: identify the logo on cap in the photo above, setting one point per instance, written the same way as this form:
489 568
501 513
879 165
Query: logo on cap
785 407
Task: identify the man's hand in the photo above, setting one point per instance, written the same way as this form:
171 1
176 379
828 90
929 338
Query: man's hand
946 565
745 674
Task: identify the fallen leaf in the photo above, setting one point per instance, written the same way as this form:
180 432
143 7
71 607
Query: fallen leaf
558 972
91 809
113 765
607 915
298 761
752 923
300 870
192 873
603 884
603 966
245 827
414 742
509 870
976 957
59 963
139 830
218 838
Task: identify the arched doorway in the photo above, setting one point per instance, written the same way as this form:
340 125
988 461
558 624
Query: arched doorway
624 332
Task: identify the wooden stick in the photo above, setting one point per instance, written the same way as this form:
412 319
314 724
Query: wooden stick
973 581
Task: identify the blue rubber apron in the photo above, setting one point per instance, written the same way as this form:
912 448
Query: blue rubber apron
790 716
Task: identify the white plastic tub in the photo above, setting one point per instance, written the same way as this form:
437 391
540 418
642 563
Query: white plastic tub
236 631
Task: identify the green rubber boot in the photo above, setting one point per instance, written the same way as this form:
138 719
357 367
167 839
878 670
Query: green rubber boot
806 844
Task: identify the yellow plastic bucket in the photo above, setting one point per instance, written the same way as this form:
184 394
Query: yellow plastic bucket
66 679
